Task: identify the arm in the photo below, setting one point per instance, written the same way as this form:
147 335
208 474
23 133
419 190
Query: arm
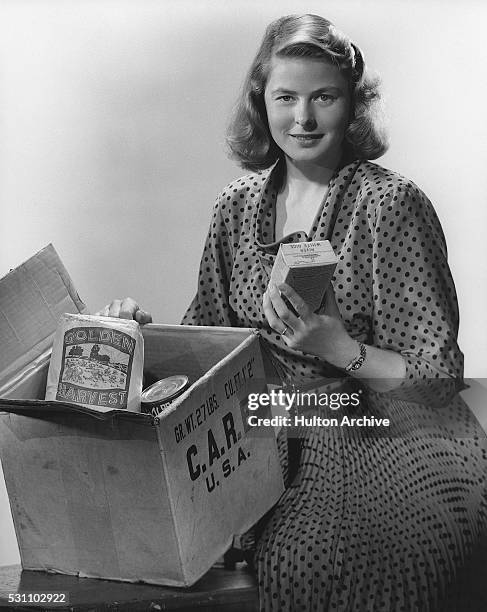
415 302
210 306
415 316
325 336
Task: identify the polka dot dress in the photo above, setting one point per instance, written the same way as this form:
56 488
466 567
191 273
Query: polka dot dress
368 521
392 284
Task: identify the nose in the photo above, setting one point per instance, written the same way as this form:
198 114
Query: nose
304 116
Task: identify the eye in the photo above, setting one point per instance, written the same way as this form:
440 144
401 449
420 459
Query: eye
284 98
326 98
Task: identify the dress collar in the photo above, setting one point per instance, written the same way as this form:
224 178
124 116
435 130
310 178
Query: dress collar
264 215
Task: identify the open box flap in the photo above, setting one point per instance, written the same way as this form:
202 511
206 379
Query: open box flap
44 409
32 298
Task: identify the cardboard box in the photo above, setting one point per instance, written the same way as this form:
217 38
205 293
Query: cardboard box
121 495
307 267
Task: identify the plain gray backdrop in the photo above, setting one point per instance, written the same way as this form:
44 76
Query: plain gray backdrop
112 136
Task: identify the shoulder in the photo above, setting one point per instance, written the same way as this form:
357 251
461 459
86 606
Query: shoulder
385 182
386 191
243 186
235 204
396 203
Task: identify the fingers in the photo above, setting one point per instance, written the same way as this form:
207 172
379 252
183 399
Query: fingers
125 309
111 310
114 308
142 317
299 327
274 322
103 312
296 301
278 315
128 309
330 305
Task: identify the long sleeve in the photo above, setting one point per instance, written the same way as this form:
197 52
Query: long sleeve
210 306
415 304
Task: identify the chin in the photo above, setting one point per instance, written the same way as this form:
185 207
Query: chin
320 160
326 158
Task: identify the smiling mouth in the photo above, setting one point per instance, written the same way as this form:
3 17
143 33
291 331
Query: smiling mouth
307 136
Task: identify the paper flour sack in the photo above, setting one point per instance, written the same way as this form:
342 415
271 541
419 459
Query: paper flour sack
97 362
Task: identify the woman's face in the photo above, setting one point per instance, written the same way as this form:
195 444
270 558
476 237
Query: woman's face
308 103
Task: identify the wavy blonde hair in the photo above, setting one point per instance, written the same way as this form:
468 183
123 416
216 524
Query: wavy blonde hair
248 135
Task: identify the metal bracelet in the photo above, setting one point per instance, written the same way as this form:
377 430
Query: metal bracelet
357 362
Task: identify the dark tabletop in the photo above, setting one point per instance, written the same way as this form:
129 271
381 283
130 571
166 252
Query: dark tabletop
220 590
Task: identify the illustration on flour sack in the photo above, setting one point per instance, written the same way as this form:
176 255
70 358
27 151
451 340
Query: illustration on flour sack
97 362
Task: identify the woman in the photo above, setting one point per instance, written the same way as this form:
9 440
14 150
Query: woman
365 524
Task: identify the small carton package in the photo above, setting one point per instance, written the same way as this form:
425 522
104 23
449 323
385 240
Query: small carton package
116 494
307 267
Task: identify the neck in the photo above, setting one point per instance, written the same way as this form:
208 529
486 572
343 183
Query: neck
306 174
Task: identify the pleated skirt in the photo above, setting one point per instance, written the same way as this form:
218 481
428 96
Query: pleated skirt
381 519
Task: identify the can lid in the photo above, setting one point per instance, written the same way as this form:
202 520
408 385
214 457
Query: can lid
165 389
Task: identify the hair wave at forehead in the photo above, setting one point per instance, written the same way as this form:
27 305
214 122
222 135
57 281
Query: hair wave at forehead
248 137
313 36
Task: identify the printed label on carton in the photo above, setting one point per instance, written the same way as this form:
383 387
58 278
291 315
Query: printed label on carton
307 253
96 367
211 436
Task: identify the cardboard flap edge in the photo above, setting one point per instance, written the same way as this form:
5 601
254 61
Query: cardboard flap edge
32 298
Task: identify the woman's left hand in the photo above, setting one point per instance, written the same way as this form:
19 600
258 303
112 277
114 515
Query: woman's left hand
323 335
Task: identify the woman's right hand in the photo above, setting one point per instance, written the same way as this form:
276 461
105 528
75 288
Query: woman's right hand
125 309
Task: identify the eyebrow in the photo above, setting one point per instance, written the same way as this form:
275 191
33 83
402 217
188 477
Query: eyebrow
326 88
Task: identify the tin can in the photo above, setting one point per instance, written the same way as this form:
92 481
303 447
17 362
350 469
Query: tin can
162 393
